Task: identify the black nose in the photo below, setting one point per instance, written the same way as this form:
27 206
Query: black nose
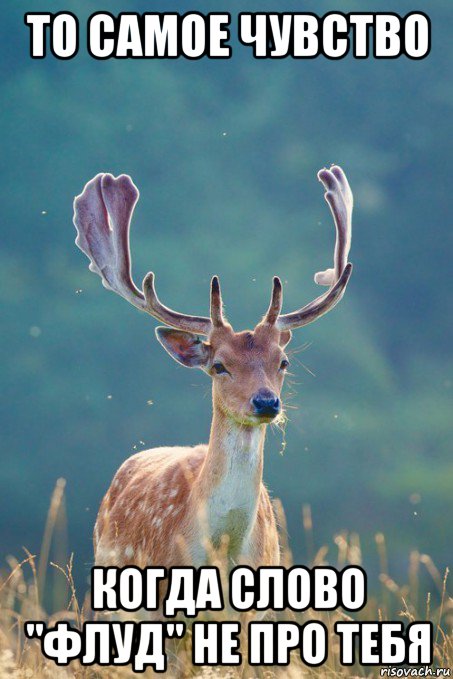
265 402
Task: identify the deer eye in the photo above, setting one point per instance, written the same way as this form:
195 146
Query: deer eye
284 364
219 368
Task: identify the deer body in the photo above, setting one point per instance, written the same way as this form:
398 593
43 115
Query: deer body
193 498
151 513
177 506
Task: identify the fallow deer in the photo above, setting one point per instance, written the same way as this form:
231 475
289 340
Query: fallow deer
167 506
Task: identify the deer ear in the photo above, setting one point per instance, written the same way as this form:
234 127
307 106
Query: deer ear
185 347
285 338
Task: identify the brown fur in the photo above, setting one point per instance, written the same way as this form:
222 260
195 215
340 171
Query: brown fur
154 511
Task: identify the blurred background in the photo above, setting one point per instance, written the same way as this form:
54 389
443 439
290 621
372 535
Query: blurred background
225 154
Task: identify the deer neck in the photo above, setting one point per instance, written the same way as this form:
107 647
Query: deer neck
229 484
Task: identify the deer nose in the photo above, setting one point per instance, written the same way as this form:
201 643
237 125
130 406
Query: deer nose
265 402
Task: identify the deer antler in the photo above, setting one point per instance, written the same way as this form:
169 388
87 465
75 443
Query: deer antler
339 197
102 216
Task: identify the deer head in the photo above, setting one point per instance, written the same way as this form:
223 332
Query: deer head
247 368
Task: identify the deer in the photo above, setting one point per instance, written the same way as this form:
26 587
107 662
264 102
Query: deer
169 506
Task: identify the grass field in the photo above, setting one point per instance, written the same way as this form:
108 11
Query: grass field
24 582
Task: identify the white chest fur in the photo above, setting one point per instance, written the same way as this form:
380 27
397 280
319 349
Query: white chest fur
231 505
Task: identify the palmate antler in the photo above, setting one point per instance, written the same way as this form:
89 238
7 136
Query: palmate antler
102 217
339 197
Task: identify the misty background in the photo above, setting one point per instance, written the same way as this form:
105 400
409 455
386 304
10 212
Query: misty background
225 154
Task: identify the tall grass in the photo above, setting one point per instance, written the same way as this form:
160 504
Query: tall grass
28 582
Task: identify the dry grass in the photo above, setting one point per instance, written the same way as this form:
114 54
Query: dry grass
21 599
